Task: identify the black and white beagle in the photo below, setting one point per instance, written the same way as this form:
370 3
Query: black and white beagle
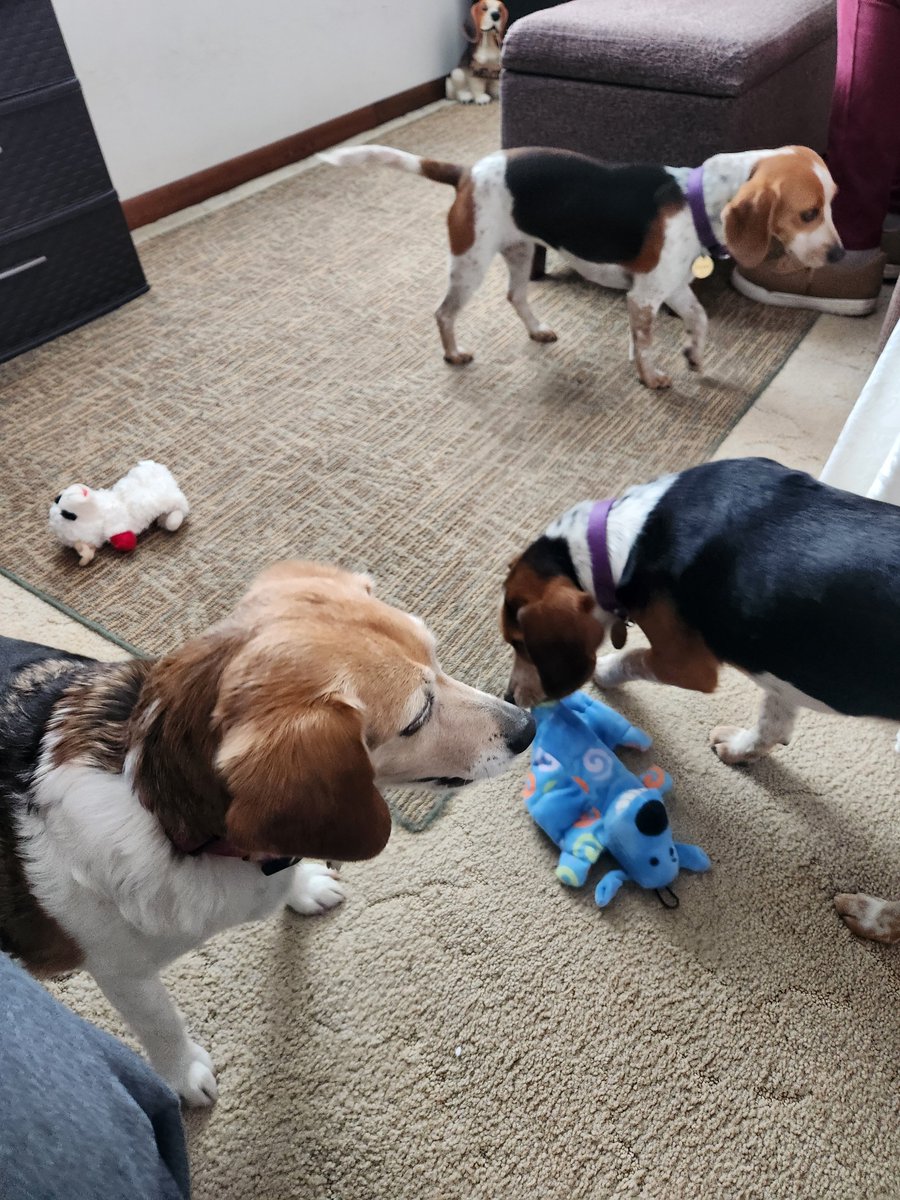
743 562
646 229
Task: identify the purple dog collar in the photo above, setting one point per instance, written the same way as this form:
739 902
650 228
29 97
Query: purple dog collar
701 216
601 574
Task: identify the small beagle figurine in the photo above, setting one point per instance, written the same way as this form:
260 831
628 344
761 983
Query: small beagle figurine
477 78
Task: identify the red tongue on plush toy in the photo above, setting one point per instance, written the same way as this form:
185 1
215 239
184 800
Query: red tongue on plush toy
123 541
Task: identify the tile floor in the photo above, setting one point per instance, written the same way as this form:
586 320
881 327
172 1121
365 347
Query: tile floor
796 420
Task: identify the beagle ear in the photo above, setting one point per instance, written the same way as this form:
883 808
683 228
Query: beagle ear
562 637
504 20
748 222
302 783
472 24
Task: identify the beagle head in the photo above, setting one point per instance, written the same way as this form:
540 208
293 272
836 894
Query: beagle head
550 624
786 199
317 695
488 16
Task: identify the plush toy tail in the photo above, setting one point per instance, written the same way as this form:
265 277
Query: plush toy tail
400 160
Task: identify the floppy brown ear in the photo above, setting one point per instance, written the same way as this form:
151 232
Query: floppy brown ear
472 25
748 222
561 637
302 783
504 20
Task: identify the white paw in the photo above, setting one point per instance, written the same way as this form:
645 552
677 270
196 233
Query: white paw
483 99
172 520
608 673
734 745
316 888
195 1081
465 97
869 916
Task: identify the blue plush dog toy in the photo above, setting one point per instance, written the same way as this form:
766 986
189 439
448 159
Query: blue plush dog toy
587 801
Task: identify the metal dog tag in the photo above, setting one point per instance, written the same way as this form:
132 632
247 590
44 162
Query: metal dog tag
702 266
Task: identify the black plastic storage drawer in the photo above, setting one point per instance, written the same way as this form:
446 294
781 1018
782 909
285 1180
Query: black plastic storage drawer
32 51
50 158
64 272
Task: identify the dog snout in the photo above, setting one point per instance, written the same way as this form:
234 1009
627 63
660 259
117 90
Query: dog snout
495 14
836 253
518 728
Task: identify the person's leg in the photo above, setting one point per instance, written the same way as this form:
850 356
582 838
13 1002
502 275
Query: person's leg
864 159
864 132
81 1115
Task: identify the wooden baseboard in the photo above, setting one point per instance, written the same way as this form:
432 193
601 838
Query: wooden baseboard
150 206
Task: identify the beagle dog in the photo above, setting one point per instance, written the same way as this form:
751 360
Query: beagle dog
646 229
477 78
147 805
742 562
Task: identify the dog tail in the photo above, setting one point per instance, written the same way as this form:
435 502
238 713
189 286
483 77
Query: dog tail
400 160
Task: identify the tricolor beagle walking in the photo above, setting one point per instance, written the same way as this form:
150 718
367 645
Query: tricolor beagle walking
646 229
742 562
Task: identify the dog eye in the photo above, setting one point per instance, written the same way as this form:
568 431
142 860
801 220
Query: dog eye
69 516
809 215
416 724
58 498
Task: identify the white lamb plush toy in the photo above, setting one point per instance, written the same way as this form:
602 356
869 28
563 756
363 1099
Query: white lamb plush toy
84 518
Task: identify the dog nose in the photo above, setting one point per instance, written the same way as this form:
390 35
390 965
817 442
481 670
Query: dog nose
521 732
495 15
509 697
836 253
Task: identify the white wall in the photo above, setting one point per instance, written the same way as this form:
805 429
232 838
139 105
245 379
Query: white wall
178 85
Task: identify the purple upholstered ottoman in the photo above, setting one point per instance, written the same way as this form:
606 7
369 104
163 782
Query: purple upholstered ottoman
669 81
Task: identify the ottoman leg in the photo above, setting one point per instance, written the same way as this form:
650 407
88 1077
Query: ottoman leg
539 262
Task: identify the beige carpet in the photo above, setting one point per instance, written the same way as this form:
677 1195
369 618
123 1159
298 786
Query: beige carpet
467 1029
286 366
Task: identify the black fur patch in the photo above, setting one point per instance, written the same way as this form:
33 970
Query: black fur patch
549 557
780 574
574 203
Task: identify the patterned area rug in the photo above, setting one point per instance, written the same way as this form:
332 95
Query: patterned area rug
287 368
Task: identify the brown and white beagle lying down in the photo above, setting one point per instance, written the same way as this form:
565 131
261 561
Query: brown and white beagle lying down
647 229
146 806
741 562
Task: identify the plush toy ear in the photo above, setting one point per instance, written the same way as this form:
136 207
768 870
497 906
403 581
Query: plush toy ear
608 886
302 783
748 222
692 858
561 637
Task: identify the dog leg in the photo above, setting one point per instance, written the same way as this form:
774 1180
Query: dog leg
774 727
686 305
625 666
466 274
869 917
479 90
148 1008
314 889
519 259
642 312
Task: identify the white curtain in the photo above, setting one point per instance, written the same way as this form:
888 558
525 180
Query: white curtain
866 457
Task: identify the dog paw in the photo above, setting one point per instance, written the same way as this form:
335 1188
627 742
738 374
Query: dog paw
543 333
655 379
195 1081
465 97
607 673
734 745
316 888
484 98
869 917
694 358
460 359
